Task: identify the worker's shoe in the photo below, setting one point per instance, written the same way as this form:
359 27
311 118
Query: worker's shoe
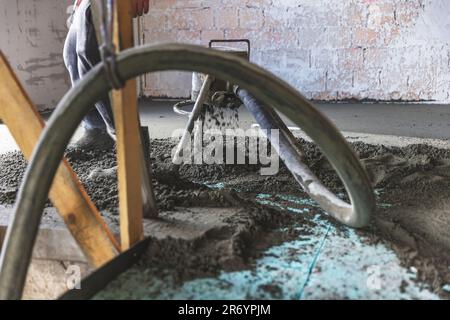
94 139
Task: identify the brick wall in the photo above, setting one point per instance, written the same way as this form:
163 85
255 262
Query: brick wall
327 49
32 34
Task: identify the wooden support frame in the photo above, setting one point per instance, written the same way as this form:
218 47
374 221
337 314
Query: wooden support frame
126 116
67 194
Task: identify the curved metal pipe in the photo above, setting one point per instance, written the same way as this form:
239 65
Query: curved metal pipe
76 103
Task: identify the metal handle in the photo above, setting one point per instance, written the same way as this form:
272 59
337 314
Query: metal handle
246 41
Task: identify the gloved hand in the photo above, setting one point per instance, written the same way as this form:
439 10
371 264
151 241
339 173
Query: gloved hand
140 7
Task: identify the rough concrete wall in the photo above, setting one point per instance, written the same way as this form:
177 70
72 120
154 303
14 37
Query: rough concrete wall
32 34
328 49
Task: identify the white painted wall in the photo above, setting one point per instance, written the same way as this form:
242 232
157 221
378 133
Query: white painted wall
32 34
434 22
327 49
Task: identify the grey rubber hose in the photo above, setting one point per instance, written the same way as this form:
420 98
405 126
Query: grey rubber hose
270 90
290 152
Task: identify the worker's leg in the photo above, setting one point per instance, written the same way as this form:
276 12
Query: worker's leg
88 56
93 120
95 128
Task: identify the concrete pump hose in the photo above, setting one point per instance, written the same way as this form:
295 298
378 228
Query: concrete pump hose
290 152
270 90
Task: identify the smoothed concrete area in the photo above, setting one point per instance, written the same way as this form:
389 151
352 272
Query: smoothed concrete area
407 120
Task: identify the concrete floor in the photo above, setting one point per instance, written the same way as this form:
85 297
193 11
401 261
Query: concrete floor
392 124
317 265
335 274
408 120
430 121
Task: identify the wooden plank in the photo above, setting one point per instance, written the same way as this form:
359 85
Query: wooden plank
2 236
67 194
126 117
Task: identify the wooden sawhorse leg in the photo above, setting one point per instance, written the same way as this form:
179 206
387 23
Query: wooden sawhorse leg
67 194
129 151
